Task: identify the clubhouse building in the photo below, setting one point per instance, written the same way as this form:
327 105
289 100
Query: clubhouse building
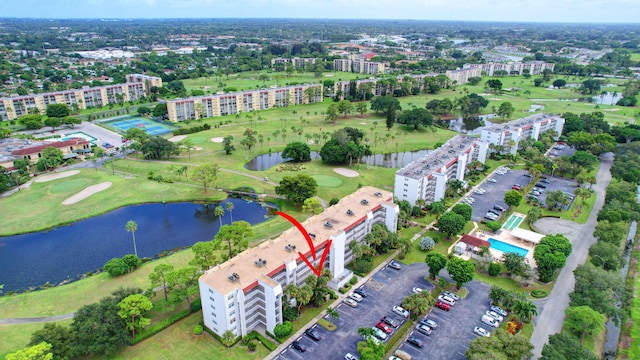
246 292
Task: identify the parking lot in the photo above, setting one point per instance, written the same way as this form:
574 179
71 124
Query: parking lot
385 289
495 191
556 184
451 338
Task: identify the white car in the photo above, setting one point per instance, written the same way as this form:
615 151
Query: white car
417 290
492 180
447 300
350 302
451 295
494 315
401 311
499 310
350 356
380 334
481 331
355 297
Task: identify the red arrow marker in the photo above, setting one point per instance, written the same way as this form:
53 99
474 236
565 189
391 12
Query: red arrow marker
301 229
317 271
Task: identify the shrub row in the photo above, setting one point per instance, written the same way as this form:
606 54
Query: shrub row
270 345
398 335
191 130
273 336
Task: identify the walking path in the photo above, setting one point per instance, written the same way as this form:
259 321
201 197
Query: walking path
551 319
17 321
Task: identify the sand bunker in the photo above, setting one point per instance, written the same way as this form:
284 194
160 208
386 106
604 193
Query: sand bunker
178 138
217 139
88 191
197 148
346 172
56 176
495 99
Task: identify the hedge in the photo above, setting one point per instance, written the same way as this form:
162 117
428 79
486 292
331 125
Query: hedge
398 335
270 345
191 130
154 329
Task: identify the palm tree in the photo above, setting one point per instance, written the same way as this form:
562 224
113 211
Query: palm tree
333 314
525 310
534 214
366 332
131 227
219 212
437 208
229 206
228 337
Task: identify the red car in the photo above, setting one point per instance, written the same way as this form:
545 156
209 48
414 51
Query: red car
443 306
515 187
384 327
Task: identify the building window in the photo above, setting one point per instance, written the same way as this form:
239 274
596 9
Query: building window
230 305
232 321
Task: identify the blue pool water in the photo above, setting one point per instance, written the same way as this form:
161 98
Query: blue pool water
507 248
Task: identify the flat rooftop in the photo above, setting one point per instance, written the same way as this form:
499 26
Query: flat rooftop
517 124
438 157
276 255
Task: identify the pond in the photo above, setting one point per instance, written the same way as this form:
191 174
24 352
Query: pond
67 252
393 160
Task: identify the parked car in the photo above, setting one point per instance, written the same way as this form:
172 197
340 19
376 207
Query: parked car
415 341
384 327
312 334
515 187
494 315
395 265
490 320
402 355
527 175
393 357
423 329
447 300
389 321
443 306
401 311
350 302
481 331
492 180
490 216
417 290
495 212
499 310
299 346
540 185
360 292
430 323
535 192
545 181
500 208
380 334
355 297
350 356
451 295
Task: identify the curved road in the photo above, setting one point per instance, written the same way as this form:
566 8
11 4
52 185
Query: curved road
551 318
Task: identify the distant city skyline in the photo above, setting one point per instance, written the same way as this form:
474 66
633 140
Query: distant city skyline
569 11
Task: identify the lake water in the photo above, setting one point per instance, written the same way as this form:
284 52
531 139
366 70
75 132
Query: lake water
393 160
66 252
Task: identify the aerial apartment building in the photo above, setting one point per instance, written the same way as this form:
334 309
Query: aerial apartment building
358 66
244 101
426 179
146 80
509 135
15 149
246 292
461 76
533 67
378 87
14 107
298 63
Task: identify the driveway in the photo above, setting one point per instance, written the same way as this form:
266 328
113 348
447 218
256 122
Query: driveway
495 191
550 320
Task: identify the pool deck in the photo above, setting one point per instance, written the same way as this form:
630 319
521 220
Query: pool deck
505 236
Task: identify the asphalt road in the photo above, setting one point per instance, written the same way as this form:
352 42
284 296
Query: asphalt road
551 319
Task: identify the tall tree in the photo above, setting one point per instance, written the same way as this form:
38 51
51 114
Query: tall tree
436 262
59 336
41 351
297 188
229 206
132 310
131 227
450 224
159 278
181 281
461 271
563 346
218 211
203 255
584 320
501 345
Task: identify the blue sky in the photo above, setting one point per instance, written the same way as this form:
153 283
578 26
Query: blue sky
472 10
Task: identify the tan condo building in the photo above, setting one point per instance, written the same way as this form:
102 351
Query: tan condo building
240 102
246 292
147 81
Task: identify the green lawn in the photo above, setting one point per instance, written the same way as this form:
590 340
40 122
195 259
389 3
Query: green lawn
15 337
633 352
178 342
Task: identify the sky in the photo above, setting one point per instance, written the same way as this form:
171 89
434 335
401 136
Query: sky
581 11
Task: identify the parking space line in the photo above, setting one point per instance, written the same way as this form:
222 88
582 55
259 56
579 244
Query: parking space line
375 284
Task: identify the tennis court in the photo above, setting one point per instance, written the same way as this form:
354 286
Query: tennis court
150 127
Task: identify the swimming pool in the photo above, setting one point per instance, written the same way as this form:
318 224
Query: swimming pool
507 248
79 134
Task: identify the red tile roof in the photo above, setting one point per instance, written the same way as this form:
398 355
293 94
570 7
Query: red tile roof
56 144
474 241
